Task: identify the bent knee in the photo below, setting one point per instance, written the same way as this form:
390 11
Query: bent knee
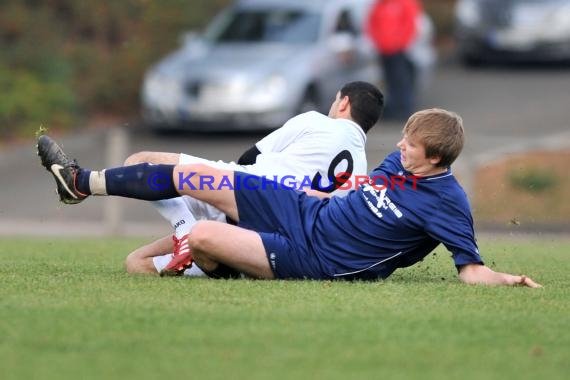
200 242
200 239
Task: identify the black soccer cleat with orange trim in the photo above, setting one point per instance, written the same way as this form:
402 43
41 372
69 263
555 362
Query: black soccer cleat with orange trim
63 169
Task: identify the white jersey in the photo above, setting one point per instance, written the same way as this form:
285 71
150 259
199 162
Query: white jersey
314 149
309 147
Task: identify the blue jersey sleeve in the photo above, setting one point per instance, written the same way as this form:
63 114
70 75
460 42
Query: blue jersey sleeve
390 164
452 225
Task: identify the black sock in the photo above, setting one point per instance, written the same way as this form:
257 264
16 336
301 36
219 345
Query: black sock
223 271
143 181
82 181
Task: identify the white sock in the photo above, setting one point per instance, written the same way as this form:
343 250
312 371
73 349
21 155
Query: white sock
97 183
176 212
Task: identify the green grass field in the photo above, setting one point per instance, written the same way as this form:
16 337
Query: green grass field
68 311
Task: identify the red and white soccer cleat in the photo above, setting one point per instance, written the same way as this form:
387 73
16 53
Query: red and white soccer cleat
181 258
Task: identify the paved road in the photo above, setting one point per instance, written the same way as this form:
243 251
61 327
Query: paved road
503 109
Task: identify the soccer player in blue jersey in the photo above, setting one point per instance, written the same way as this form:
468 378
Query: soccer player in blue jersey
411 204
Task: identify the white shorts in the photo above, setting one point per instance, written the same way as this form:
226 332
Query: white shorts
188 159
199 209
202 210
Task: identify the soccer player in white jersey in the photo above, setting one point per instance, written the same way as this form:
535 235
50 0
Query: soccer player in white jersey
367 235
310 149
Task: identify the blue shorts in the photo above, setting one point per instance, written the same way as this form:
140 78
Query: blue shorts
279 216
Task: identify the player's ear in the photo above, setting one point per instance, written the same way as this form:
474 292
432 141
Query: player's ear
344 104
435 160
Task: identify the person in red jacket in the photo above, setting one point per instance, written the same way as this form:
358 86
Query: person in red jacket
392 27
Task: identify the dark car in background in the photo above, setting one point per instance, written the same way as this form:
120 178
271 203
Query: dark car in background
513 30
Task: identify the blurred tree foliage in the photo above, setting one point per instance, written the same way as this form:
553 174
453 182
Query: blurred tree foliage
441 13
62 61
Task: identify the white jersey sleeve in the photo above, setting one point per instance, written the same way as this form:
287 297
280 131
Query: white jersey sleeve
313 149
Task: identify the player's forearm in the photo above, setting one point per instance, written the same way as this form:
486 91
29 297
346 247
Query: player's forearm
318 194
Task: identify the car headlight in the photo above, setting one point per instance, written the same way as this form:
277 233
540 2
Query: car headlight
468 13
151 83
161 89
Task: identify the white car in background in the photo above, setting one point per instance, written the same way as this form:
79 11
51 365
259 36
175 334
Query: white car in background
260 62
513 30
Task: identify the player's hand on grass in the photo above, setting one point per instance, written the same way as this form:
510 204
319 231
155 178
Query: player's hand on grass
526 281
483 275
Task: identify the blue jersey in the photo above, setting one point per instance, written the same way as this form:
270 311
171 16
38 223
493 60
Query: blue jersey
377 229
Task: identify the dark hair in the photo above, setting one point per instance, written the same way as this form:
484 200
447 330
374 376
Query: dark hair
366 103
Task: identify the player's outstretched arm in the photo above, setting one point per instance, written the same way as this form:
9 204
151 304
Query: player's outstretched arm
152 158
482 275
140 260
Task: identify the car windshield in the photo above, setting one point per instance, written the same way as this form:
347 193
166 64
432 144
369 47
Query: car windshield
268 25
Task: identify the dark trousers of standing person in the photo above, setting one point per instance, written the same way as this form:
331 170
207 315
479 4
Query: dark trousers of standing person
399 75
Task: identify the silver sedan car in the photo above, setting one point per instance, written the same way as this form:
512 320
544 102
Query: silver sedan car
260 62
513 30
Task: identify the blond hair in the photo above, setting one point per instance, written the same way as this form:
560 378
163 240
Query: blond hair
439 131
